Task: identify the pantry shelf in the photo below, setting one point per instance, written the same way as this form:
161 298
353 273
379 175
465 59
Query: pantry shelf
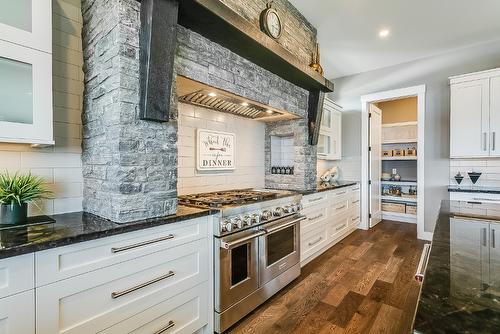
408 158
399 199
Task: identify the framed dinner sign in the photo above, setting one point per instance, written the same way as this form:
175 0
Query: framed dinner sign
215 150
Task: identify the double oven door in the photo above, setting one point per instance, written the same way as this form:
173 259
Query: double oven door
249 259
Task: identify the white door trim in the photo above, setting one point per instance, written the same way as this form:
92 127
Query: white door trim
419 92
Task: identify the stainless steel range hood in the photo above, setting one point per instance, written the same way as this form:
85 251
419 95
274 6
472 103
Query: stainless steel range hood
200 94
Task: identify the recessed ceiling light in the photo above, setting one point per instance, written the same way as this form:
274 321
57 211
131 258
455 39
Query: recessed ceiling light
383 33
269 111
212 94
244 104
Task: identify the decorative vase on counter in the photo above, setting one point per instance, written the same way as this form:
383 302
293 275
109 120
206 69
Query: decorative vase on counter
13 213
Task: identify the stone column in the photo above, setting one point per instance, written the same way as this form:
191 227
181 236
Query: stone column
129 165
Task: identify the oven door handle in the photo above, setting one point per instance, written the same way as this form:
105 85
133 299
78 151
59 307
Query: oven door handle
234 243
283 226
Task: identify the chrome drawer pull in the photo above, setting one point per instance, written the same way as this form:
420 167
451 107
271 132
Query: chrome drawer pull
166 328
315 199
356 201
493 241
140 244
115 295
354 189
493 140
315 217
342 193
315 241
340 207
355 218
340 227
422 264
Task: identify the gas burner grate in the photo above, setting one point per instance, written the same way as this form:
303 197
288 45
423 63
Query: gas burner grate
219 199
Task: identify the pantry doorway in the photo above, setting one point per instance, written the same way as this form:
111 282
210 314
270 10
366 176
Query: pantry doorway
392 184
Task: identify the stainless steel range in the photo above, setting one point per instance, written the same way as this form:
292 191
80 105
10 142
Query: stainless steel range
257 247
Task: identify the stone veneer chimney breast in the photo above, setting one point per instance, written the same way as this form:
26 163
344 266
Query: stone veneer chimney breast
130 165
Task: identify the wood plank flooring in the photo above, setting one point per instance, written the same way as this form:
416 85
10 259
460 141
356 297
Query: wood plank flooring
364 284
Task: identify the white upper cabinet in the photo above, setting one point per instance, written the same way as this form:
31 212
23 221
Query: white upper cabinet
26 71
475 115
25 22
495 116
330 135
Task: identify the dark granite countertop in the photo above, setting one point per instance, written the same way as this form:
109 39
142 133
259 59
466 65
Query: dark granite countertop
461 288
77 227
325 186
474 189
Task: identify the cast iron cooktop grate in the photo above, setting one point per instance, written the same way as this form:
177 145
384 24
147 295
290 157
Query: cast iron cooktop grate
218 199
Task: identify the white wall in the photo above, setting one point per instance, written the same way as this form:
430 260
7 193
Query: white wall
249 152
60 166
434 73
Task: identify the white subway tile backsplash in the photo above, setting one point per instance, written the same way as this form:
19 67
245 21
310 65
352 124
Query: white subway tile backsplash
249 152
59 166
62 205
490 169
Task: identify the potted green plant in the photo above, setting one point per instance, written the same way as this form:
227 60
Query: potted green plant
16 192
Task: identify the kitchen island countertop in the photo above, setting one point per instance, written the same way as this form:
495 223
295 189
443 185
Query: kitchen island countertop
70 228
461 288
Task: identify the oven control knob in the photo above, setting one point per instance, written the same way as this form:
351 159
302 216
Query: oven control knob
289 209
298 207
255 218
237 223
247 221
266 215
226 226
278 212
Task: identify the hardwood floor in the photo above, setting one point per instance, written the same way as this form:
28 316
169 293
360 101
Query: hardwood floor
364 284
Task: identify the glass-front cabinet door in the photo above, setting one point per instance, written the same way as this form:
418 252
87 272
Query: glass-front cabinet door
27 23
25 95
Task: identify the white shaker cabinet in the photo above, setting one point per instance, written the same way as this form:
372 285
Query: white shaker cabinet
330 135
495 116
26 71
475 115
17 313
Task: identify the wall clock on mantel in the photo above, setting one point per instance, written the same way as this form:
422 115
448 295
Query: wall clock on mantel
270 21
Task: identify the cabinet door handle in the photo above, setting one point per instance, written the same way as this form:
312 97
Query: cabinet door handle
483 236
315 241
355 218
493 243
493 141
356 201
340 207
485 138
118 294
170 324
141 244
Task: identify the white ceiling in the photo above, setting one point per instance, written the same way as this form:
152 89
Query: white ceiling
348 30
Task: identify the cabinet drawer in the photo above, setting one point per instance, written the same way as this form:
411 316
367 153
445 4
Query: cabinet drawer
97 300
17 274
335 230
339 208
17 313
316 215
184 313
64 262
312 242
314 199
354 217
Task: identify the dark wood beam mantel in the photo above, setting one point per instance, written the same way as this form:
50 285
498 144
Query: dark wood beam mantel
219 23
158 41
